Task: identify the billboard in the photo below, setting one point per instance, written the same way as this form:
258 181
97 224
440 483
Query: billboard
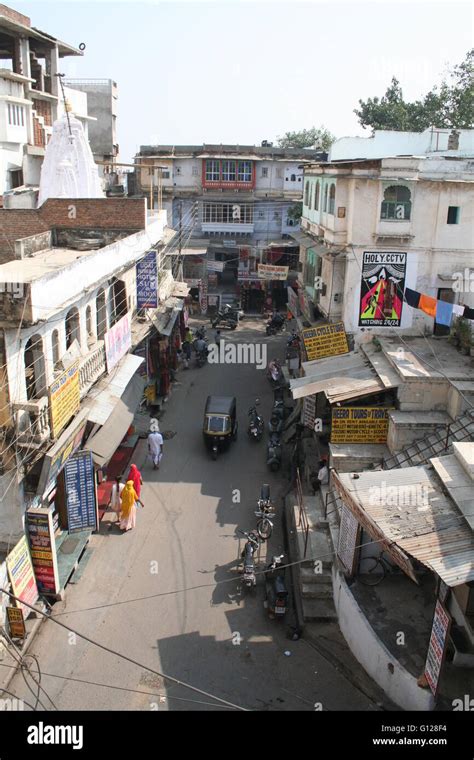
381 289
118 340
359 424
147 282
327 340
64 398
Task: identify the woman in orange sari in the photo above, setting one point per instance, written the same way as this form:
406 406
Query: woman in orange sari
128 515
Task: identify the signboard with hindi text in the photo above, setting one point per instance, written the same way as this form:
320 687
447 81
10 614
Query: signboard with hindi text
272 272
64 398
326 340
22 577
437 646
359 424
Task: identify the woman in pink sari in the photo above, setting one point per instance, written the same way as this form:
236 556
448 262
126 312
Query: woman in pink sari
135 476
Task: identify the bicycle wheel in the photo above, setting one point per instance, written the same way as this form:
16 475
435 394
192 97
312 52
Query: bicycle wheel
374 572
264 528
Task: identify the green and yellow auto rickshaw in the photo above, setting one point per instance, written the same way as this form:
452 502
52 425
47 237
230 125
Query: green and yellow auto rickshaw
220 423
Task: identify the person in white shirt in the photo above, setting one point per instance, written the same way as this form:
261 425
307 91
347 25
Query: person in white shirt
322 478
155 446
115 501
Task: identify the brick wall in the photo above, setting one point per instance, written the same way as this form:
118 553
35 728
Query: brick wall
38 133
19 18
64 213
43 108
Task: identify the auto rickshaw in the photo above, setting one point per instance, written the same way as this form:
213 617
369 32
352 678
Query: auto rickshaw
220 423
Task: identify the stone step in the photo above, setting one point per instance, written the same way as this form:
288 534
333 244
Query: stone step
319 609
307 575
319 548
315 591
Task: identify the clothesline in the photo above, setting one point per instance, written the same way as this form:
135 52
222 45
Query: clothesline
442 311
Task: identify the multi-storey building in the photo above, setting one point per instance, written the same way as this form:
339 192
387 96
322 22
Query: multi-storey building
30 101
239 203
372 227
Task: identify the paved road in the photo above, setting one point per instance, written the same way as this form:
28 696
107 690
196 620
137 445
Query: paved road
188 625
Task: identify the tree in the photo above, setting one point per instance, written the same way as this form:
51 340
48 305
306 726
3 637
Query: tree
307 138
450 105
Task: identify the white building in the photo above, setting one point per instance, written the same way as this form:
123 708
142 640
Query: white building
386 143
407 220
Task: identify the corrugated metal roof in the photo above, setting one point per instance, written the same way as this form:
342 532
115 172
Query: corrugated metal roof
416 516
457 483
346 373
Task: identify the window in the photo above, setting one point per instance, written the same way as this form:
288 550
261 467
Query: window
332 198
293 178
453 215
306 193
55 345
89 320
16 115
228 171
316 197
165 175
178 170
310 197
261 214
276 215
227 213
73 328
212 171
245 171
396 203
16 178
195 171
265 171
299 179
325 203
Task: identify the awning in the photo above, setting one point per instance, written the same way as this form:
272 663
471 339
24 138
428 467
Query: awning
104 443
340 377
306 241
409 515
180 290
165 321
104 396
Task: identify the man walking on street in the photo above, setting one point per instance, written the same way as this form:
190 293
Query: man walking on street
155 448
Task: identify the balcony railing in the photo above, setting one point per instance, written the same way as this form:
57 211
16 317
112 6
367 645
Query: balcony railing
32 422
91 368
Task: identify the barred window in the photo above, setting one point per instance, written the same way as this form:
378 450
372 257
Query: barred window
212 171
228 171
245 171
396 203
227 213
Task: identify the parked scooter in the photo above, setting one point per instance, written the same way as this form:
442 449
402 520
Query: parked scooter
275 425
200 333
275 373
275 588
266 512
275 324
249 579
294 341
274 453
256 423
278 409
226 317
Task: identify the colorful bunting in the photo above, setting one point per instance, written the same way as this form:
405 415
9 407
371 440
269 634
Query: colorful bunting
442 311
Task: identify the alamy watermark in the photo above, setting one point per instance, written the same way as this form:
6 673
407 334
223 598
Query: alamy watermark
463 282
238 353
416 495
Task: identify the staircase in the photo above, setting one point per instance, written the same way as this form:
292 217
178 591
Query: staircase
436 444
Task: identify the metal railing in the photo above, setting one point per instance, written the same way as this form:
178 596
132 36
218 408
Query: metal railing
91 368
32 421
303 521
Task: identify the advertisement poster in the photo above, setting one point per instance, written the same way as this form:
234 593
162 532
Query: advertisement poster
39 525
271 272
203 295
16 623
22 578
64 398
147 282
437 646
81 496
118 340
356 424
381 290
327 340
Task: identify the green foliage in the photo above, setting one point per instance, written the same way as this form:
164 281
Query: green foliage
307 138
451 105
295 212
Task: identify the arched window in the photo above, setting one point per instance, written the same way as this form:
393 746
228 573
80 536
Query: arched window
306 193
73 329
316 197
293 178
310 199
101 312
332 198
325 203
396 203
55 346
118 301
35 368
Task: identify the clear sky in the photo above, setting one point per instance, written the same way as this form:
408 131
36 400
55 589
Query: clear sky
242 72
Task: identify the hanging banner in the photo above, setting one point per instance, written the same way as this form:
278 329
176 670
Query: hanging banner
309 411
437 646
64 398
360 424
327 340
203 295
81 497
381 290
39 525
22 577
215 266
118 341
271 272
57 456
147 282
293 302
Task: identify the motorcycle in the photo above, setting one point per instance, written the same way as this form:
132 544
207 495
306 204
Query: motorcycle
200 333
275 588
275 425
274 452
256 423
294 341
266 512
275 324
275 373
249 579
278 409
226 317
201 358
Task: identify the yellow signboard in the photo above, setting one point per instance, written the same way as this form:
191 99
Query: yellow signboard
64 398
326 340
21 575
359 424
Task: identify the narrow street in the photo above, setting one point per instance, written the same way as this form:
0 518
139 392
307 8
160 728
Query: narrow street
186 619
